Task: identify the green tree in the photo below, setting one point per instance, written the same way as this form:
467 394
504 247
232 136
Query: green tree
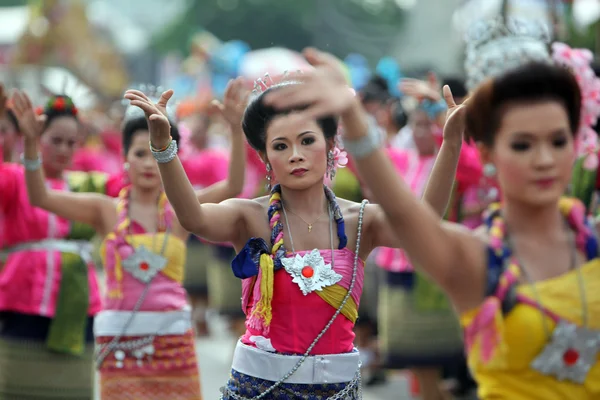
265 23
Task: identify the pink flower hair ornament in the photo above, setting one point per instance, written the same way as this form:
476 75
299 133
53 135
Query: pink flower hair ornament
579 60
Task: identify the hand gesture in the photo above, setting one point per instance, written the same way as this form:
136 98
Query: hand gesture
454 127
234 103
323 90
156 114
30 124
418 89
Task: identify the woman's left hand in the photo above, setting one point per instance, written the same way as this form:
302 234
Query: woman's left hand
454 127
234 103
323 90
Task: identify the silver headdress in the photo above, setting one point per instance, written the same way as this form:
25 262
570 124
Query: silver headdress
496 46
153 92
264 83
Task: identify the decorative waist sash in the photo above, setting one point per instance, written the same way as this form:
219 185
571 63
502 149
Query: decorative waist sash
329 368
143 323
80 247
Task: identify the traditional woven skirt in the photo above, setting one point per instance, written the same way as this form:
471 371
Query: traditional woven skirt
197 260
29 371
225 290
171 373
249 387
417 325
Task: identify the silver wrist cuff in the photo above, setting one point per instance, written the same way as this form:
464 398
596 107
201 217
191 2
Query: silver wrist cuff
364 146
31 165
167 155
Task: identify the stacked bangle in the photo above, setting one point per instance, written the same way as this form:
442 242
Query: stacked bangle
31 165
364 146
166 154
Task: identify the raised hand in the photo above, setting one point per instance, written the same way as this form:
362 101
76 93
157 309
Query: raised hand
234 103
454 127
30 124
418 89
323 90
156 114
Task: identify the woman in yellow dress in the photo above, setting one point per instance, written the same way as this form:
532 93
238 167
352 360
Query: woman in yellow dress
527 286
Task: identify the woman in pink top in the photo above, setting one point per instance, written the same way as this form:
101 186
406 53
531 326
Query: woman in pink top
48 289
143 334
300 250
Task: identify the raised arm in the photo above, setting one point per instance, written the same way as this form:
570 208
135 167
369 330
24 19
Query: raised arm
452 257
441 181
89 208
232 110
224 222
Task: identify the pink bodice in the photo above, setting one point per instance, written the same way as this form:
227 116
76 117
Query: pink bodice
415 171
123 290
29 280
298 319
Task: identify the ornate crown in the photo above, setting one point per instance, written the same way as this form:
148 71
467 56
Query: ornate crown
153 92
496 46
264 83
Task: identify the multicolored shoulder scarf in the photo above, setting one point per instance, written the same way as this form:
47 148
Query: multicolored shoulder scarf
484 334
257 261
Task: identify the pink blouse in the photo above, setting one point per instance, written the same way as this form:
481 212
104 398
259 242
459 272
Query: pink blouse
415 171
29 280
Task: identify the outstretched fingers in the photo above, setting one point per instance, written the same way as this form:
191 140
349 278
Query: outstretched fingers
448 97
165 97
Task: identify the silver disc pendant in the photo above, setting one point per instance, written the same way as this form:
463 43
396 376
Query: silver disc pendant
310 272
570 354
144 264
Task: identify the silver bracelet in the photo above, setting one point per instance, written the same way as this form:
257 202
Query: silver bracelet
167 155
364 146
31 165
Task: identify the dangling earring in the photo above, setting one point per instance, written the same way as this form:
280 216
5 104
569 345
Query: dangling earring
269 177
126 166
489 170
330 165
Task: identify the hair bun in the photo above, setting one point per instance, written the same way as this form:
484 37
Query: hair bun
61 104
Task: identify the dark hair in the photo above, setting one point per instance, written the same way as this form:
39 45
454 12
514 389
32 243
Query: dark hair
532 82
376 90
399 115
258 115
133 125
457 86
59 106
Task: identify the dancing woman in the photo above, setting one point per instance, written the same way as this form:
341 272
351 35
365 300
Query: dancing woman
48 288
527 287
300 253
144 334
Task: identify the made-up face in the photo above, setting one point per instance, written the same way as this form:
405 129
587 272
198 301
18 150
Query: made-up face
296 152
142 167
58 143
533 152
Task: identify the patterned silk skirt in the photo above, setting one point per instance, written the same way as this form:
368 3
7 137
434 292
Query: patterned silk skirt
170 372
241 386
29 371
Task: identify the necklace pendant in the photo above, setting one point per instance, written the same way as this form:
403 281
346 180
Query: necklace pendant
144 265
570 354
309 228
310 272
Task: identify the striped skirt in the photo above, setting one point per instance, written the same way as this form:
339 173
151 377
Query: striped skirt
29 371
417 325
170 372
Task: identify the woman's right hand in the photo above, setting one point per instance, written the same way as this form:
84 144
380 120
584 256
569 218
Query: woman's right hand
156 114
30 124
